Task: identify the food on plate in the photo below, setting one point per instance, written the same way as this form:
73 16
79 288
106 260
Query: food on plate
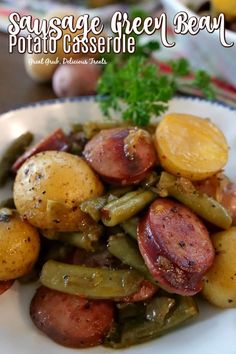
55 141
223 190
176 247
71 320
190 147
15 150
220 282
49 188
19 245
5 285
122 156
76 80
125 216
203 204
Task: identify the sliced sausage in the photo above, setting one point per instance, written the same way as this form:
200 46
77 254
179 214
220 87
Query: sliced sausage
71 320
223 190
146 292
5 285
121 155
172 278
175 246
56 141
181 235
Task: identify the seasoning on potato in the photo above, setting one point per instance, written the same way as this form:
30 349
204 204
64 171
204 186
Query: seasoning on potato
19 245
49 188
190 146
220 281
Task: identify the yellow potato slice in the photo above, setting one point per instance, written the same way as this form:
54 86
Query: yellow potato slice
220 282
190 146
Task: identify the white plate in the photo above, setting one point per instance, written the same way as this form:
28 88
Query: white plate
213 332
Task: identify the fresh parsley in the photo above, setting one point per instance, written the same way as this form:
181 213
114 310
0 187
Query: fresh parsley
133 86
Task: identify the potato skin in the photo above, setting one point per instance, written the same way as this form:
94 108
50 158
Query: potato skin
49 188
190 146
19 247
220 282
76 80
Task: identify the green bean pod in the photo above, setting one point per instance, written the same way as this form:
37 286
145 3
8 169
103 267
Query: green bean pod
203 205
158 309
85 240
15 150
130 227
139 330
93 207
122 209
92 283
126 250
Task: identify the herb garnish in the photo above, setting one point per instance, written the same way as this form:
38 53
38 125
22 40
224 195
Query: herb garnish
134 86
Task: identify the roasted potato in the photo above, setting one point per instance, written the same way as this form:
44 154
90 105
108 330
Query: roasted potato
220 282
49 188
190 146
41 66
19 245
76 80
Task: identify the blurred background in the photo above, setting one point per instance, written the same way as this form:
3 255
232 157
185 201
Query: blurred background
22 84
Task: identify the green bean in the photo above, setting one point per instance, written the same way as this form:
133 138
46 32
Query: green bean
139 330
130 310
125 207
150 180
15 150
158 308
119 192
92 283
8 203
77 127
126 250
80 239
93 207
56 251
31 277
203 205
91 128
85 239
130 227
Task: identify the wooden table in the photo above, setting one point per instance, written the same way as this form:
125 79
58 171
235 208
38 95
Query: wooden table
16 88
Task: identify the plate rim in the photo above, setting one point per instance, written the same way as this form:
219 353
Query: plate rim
74 99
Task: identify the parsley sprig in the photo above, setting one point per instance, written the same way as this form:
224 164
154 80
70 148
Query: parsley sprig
133 86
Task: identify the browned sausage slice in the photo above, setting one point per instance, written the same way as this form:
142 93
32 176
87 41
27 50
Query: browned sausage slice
181 235
56 141
121 155
71 320
5 285
169 275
